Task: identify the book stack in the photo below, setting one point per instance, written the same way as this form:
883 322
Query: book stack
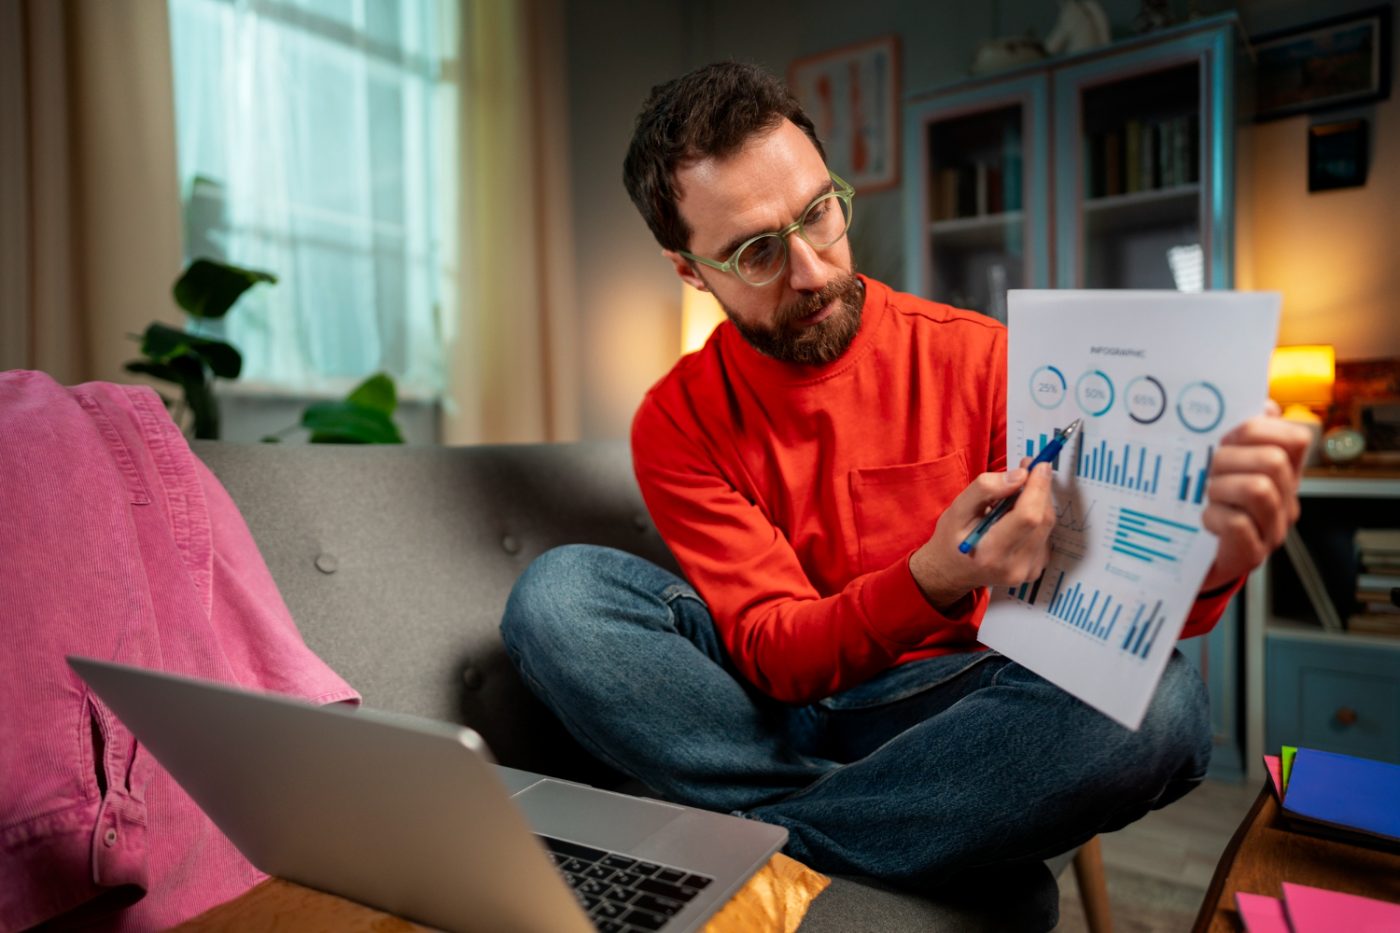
1378 554
1142 155
977 189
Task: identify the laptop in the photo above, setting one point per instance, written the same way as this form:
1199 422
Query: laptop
411 816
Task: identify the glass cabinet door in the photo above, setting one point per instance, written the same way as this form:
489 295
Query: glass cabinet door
1143 182
977 212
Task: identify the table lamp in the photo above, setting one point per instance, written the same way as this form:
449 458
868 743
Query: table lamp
700 315
1300 380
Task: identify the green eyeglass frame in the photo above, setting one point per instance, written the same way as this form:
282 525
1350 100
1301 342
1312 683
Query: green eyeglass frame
843 192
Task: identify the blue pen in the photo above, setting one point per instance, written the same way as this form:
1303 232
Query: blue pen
1048 453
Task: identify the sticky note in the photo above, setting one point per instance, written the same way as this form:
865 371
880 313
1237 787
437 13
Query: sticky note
1317 910
1261 913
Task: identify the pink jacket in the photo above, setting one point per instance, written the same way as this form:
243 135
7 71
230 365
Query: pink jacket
117 543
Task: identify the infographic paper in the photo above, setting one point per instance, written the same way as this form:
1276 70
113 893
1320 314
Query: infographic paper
1158 378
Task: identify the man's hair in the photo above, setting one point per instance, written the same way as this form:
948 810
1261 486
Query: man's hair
710 113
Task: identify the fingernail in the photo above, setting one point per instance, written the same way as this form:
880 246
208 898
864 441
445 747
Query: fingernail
1015 476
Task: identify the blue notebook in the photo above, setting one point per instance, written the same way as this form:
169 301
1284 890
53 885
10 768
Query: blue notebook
1356 799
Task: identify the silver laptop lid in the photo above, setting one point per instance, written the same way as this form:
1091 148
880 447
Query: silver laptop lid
404 814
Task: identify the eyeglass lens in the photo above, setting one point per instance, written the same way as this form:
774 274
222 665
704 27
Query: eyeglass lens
824 223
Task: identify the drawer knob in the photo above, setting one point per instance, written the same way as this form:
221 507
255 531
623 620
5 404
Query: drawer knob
1345 716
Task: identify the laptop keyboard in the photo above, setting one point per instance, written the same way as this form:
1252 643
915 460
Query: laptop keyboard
622 894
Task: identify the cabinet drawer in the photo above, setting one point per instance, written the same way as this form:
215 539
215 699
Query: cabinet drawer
1333 696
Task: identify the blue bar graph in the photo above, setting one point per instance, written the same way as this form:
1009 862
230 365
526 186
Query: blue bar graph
1138 642
1032 450
1028 591
1150 538
1093 617
1131 466
1190 491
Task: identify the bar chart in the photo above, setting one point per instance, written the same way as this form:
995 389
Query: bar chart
1193 481
1149 538
1134 467
1096 613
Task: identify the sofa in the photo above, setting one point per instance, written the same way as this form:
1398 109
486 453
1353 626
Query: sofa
396 563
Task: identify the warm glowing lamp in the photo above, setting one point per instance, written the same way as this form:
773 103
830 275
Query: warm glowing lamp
1300 379
700 315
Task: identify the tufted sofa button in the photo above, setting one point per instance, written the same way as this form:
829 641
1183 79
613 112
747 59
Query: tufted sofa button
471 677
326 563
641 522
511 545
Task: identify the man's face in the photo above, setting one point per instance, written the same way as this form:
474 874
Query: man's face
811 312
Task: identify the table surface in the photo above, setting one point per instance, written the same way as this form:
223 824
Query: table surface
1264 853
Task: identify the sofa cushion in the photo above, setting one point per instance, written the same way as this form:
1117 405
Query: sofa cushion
396 563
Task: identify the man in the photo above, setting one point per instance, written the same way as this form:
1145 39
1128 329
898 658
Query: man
813 469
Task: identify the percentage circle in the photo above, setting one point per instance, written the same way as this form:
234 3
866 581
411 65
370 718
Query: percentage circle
1048 387
1146 399
1200 407
1094 392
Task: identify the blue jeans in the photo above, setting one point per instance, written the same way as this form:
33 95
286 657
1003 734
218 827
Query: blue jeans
935 769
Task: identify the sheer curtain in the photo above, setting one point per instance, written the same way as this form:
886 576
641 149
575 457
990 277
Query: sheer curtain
317 140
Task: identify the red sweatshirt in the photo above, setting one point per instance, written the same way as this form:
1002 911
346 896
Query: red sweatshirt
793 495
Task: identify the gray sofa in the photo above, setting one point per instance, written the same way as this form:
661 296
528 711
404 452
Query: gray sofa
396 563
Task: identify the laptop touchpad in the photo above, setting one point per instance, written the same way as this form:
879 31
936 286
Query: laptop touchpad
592 816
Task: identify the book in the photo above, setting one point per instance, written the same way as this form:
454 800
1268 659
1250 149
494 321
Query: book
1374 623
1344 797
1132 158
1378 539
1380 582
1312 581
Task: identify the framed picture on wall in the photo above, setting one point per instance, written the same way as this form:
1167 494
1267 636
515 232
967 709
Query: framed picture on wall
1335 62
852 96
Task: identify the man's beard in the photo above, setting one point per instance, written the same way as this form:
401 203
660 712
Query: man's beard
790 342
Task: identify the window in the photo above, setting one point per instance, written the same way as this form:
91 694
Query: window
317 140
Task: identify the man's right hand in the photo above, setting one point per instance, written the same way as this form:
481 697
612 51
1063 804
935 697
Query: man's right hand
1013 550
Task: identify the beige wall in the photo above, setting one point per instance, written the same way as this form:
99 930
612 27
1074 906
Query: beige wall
1334 255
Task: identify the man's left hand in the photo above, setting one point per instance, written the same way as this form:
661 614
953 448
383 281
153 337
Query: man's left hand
1252 493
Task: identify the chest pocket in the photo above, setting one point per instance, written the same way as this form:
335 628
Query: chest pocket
896 507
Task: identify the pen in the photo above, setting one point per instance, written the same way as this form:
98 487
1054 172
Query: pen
1049 452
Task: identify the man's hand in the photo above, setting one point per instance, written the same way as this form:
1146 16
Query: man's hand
1252 493
1013 550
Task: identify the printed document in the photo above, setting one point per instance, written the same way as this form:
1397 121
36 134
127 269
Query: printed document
1158 378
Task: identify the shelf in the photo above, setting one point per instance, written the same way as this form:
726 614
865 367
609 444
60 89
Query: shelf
1293 630
1159 206
982 231
1350 486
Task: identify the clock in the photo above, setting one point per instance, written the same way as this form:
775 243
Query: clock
1343 445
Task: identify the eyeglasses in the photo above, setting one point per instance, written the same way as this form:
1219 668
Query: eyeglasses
763 258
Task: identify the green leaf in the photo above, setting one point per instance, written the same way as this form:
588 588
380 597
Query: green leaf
376 393
208 289
344 422
163 344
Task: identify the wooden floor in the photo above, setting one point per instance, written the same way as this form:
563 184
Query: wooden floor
1158 869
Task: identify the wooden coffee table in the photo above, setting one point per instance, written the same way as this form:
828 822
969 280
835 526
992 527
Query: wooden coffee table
1264 853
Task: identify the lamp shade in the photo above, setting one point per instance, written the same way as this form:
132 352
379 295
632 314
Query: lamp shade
700 315
1303 375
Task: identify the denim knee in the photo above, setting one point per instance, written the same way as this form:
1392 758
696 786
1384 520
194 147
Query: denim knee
541 598
1178 719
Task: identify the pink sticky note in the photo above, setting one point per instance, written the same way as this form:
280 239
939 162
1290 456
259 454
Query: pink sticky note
1316 910
1275 773
1261 913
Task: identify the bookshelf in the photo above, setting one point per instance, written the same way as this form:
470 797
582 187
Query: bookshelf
977 215
1051 132
1310 679
1107 169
